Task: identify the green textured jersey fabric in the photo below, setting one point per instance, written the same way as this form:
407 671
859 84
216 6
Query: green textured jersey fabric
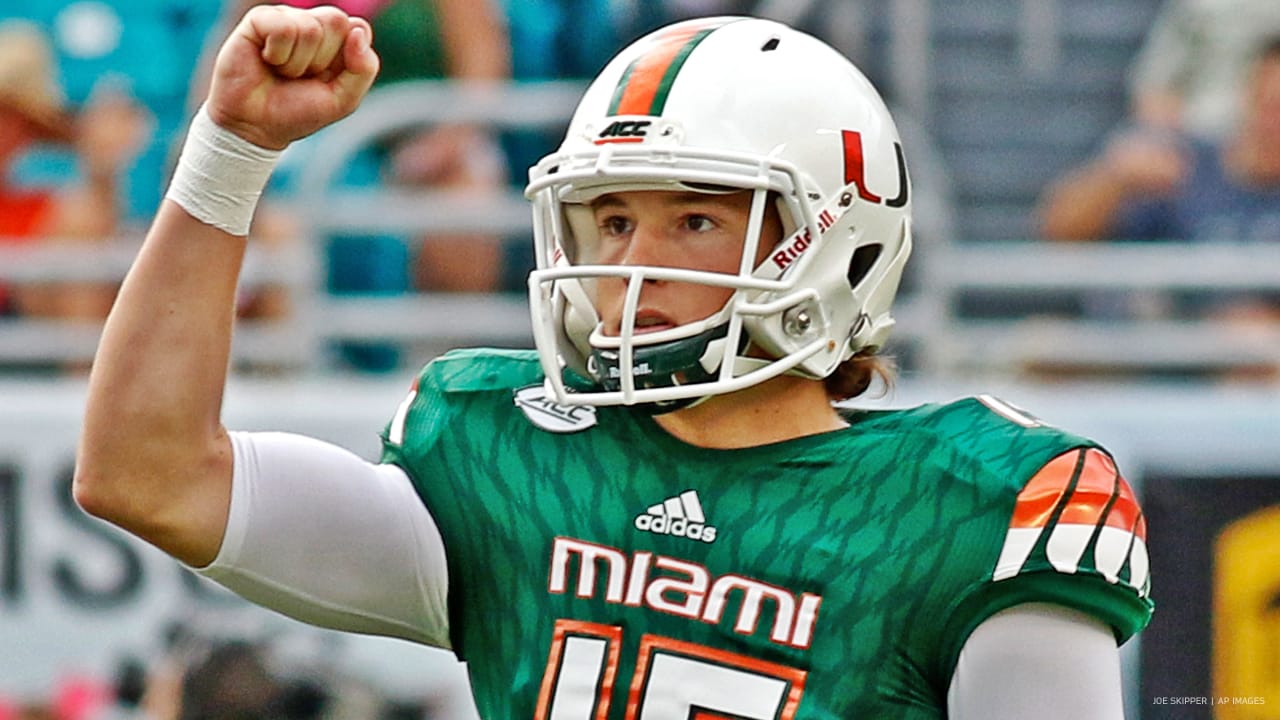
616 572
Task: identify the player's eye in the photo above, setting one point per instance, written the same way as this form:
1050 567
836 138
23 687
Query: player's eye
613 226
699 223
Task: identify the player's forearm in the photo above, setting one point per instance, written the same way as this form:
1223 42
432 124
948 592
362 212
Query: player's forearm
152 446
477 46
1081 206
90 210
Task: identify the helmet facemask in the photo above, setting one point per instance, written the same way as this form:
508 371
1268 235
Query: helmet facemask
677 366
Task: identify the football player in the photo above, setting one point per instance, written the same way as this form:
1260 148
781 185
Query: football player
661 512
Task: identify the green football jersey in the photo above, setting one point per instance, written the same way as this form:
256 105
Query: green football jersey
601 569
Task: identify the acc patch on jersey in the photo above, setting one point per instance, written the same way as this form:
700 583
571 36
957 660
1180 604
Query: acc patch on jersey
551 415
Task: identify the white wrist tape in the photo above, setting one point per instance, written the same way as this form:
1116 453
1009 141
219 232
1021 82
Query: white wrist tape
220 175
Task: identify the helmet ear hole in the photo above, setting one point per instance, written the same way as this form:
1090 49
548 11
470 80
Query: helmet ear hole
864 258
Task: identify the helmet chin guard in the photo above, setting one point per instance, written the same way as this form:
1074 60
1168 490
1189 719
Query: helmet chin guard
743 105
661 365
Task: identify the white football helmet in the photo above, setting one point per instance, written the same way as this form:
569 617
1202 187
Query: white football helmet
718 105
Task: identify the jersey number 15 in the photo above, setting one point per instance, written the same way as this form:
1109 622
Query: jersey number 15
673 680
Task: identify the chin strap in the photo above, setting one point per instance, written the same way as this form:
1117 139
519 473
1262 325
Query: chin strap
671 364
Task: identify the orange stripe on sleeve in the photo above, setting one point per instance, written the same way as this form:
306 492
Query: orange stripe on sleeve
1125 513
1036 502
1094 490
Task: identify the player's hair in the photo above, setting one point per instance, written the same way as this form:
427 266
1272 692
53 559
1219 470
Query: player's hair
854 376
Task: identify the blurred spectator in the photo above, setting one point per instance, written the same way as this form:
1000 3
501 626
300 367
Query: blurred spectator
1166 185
561 40
1163 185
466 41
1190 73
232 682
146 50
571 39
237 676
462 40
105 137
202 679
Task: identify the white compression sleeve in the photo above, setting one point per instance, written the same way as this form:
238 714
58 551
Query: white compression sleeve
321 535
1040 661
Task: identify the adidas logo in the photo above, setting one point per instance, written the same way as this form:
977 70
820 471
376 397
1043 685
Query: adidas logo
680 516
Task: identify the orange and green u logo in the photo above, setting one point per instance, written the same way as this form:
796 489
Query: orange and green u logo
646 83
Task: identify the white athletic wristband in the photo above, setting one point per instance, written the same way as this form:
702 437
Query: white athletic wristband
220 175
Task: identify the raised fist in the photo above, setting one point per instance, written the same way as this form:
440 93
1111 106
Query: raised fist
285 72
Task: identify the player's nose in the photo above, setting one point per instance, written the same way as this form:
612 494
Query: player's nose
649 245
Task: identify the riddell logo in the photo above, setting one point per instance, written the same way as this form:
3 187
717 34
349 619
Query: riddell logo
624 131
681 516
